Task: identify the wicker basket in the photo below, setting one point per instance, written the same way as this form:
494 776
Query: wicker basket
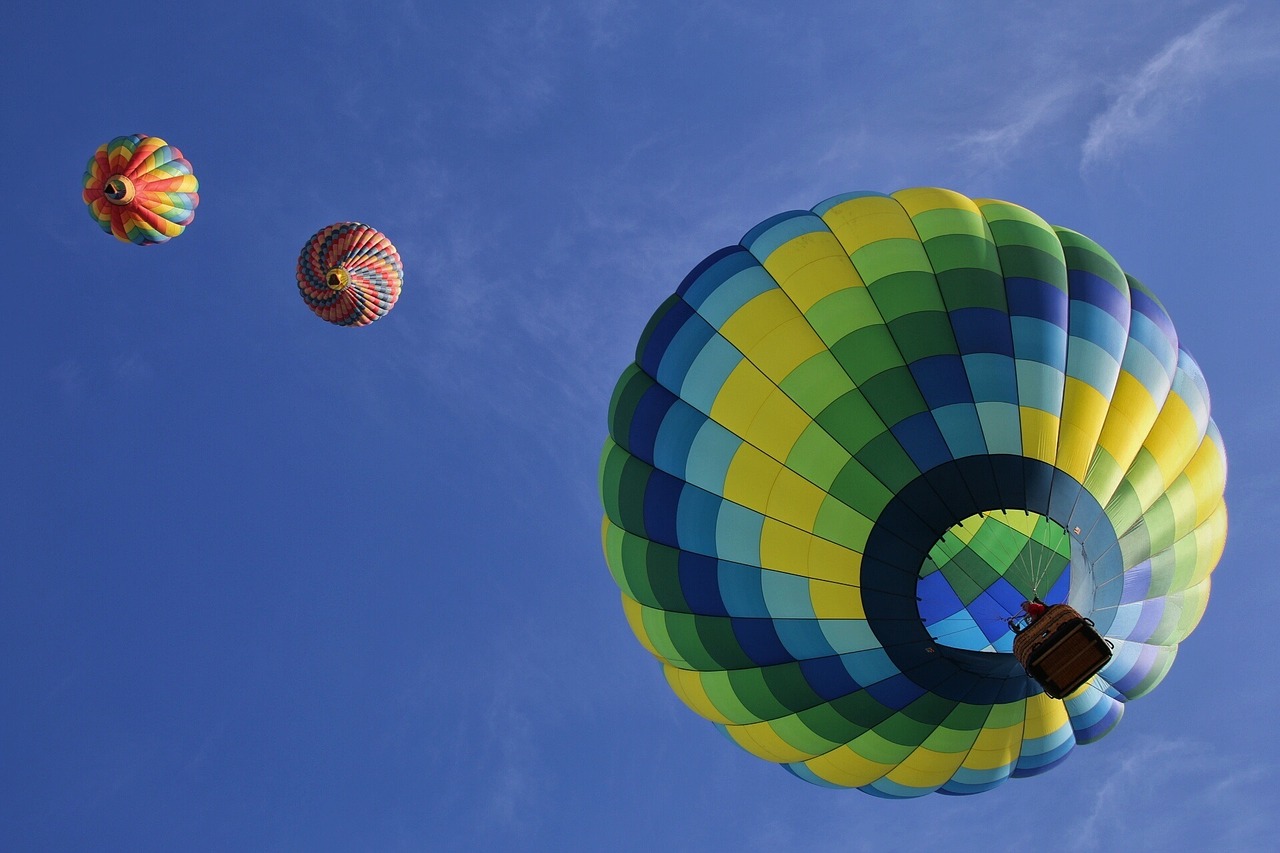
1061 650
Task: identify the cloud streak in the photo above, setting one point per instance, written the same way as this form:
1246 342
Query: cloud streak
1219 48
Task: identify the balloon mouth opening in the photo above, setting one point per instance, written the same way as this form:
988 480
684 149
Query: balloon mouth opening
337 279
978 574
119 190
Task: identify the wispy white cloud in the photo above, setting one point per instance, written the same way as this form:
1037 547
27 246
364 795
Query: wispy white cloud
1218 49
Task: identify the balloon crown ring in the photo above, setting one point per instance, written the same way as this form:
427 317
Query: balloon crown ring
119 190
337 278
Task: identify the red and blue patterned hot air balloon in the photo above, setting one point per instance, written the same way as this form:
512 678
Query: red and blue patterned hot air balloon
141 189
349 274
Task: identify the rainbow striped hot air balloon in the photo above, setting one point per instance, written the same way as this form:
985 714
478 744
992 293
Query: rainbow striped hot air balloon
853 444
140 189
350 274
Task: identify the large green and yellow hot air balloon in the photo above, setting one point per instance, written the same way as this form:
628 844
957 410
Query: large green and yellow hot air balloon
852 445
140 189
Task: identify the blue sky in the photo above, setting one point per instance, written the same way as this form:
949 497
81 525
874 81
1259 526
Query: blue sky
269 584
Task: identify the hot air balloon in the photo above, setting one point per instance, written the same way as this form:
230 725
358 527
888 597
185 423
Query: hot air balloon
349 274
853 445
140 189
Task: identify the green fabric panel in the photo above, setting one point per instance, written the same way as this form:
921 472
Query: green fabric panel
886 459
971 288
719 690
903 730
962 251
626 395
789 688
1007 714
755 695
662 564
826 722
858 489
893 256
867 352
1030 233
949 221
794 732
876 746
1026 262
851 421
817 456
847 310
896 395
633 553
906 293
816 382
924 334
1084 254
968 718
844 525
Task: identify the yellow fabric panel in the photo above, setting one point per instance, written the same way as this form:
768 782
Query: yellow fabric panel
831 562
1084 411
777 425
919 199
750 478
634 611
784 548
740 397
761 740
862 221
926 768
687 685
785 348
1044 716
1130 418
1207 474
835 600
794 500
1174 439
995 748
1039 434
845 767
764 313
812 267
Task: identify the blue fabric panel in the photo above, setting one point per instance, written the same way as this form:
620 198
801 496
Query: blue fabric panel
682 349
738 534
982 330
661 497
696 520
942 380
675 437
723 302
1032 298
705 377
646 421
1040 386
765 238
1037 340
1091 323
710 455
961 429
700 584
919 437
802 638
760 642
828 677
666 323
708 275
1087 287
992 378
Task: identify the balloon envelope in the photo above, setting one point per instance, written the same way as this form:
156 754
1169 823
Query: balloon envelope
349 274
140 189
853 444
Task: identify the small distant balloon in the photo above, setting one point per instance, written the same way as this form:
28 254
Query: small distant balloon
349 274
141 189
